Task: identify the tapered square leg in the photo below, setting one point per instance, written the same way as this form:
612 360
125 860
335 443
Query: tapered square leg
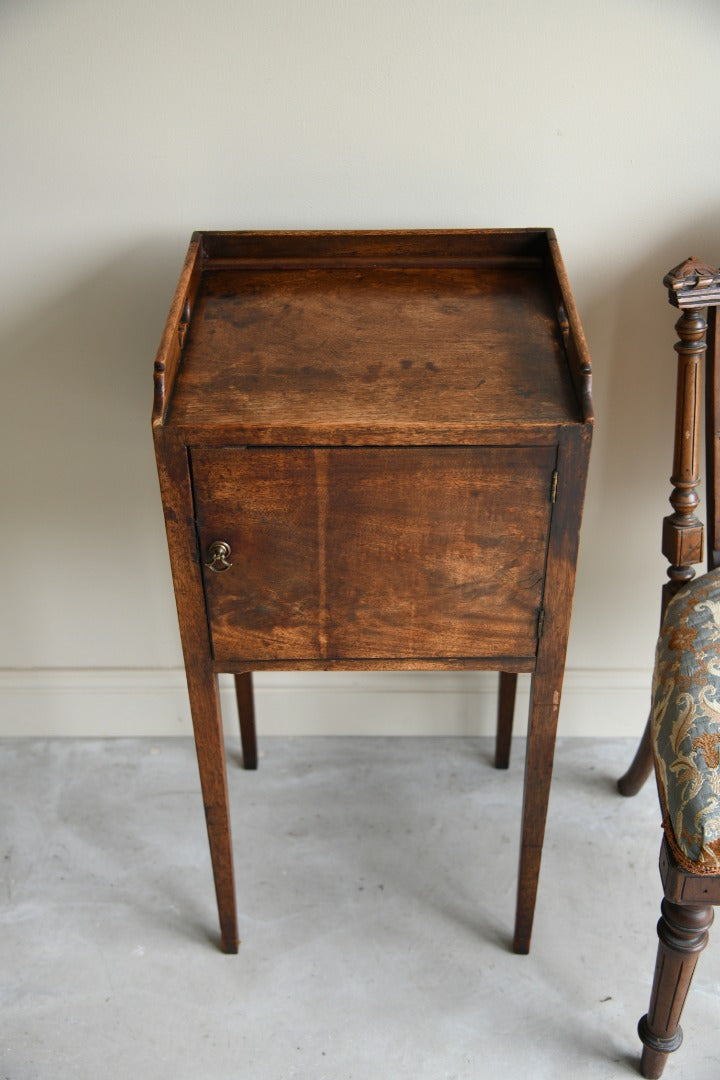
202 683
547 681
207 725
506 711
246 713
544 707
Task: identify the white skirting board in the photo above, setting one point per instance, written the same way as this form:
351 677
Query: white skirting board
115 702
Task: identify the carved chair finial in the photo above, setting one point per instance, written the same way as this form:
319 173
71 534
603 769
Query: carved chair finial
693 283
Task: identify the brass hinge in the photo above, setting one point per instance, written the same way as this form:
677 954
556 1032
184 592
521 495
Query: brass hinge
540 622
553 486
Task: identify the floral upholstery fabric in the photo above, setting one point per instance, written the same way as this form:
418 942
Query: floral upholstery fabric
686 724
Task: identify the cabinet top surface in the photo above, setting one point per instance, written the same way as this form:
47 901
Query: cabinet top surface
293 336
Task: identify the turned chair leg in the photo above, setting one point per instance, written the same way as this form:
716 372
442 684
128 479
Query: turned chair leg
246 712
641 767
506 710
683 933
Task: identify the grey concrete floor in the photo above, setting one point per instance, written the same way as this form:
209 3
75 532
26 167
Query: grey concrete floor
376 882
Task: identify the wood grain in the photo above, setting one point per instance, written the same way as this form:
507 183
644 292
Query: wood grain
169 352
202 681
384 349
547 680
376 245
375 553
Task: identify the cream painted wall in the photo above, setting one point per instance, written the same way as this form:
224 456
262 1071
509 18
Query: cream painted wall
126 125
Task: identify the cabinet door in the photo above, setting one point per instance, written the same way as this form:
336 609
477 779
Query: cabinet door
368 553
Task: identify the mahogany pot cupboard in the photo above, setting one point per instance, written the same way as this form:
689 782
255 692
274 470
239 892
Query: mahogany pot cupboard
372 450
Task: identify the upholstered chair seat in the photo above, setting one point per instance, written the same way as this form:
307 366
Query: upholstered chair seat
686 724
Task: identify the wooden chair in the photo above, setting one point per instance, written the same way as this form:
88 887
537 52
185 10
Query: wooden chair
682 737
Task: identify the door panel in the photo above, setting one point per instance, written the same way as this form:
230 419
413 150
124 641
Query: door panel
375 553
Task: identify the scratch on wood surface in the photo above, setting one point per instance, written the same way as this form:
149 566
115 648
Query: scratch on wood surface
321 487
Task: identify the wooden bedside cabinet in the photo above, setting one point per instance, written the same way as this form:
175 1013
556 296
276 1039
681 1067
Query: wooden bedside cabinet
372 450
